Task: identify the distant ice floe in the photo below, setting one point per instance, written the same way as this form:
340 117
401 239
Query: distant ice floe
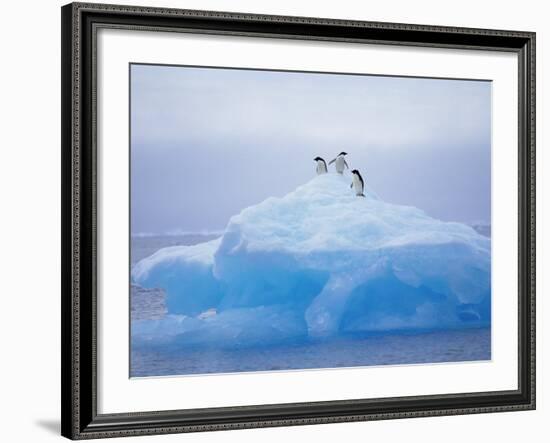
179 233
319 262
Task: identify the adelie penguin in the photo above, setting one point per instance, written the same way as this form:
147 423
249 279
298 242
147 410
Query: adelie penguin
357 183
340 162
321 166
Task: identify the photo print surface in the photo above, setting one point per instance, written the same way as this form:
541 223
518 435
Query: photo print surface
287 220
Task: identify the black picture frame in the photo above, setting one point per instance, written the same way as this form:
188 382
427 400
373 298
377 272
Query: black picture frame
79 180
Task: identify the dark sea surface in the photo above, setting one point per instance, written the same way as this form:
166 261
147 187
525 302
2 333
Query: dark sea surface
349 351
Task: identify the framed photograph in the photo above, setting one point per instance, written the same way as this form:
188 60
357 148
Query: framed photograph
273 221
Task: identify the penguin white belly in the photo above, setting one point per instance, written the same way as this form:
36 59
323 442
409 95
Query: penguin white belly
321 167
339 164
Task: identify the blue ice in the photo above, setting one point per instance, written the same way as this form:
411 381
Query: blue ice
320 262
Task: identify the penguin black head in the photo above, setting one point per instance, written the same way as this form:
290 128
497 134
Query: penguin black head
343 153
316 159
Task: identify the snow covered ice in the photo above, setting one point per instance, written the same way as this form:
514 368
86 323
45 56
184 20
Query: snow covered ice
319 262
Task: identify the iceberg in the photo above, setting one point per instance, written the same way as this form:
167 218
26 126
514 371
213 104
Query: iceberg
185 274
320 262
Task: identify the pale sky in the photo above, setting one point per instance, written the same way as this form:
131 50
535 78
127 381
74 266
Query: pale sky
206 143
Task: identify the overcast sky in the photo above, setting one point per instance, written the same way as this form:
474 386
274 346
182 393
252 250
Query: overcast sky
206 143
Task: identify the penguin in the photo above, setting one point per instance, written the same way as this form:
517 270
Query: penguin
321 166
358 183
340 162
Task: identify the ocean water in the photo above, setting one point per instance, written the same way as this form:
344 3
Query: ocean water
349 351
